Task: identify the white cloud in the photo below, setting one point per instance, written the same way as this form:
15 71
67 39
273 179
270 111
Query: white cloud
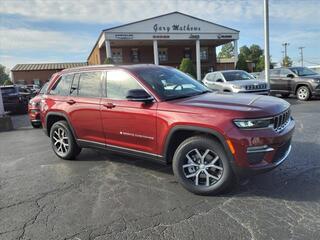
23 39
102 11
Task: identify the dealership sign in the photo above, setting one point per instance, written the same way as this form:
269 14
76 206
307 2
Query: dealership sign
176 27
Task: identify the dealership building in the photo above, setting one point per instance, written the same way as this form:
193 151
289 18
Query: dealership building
164 40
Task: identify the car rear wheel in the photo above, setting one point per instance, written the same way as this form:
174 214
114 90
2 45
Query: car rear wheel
201 166
303 93
63 142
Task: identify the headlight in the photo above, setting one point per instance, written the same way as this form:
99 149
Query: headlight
237 86
32 103
253 123
316 80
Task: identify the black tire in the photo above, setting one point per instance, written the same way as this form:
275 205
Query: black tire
59 129
36 125
225 176
303 93
285 95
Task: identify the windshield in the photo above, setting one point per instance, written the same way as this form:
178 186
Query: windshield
170 83
44 88
237 75
303 71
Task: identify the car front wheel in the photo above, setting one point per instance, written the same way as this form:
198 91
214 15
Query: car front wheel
63 142
201 166
303 93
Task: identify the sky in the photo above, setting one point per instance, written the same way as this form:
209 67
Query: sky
35 31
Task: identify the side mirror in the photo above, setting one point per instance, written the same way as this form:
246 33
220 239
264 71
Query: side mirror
219 80
139 95
290 75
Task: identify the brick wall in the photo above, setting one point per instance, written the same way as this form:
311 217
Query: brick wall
29 76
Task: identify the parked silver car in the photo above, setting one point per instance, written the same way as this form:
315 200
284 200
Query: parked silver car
236 81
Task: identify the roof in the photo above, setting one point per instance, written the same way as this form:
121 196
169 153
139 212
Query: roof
163 15
47 66
108 66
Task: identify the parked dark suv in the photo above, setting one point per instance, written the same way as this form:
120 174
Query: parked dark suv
161 113
13 100
301 81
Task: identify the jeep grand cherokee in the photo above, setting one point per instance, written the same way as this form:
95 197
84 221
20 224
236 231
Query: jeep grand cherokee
161 113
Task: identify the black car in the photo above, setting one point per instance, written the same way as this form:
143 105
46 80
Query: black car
301 81
13 100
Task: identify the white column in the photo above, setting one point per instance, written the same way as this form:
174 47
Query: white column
108 49
155 52
1 105
198 60
235 52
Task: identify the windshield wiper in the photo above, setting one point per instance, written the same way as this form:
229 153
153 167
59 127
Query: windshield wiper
188 95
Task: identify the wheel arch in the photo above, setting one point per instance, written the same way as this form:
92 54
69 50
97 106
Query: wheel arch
53 117
179 133
300 85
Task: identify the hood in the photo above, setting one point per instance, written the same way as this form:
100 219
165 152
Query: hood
249 104
317 76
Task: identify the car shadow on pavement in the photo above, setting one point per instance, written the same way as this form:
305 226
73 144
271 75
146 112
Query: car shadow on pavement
294 180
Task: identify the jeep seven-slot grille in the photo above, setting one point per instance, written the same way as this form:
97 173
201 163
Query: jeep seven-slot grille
280 121
256 87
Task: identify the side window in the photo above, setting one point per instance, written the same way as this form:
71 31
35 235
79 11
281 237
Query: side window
284 72
211 77
274 72
75 85
62 86
90 84
119 83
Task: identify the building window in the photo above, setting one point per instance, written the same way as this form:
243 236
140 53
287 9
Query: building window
163 54
117 55
135 55
204 53
187 53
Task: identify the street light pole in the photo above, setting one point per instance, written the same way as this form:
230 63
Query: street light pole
1 106
301 55
266 40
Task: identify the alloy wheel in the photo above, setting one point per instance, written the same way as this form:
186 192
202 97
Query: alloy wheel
203 167
60 141
303 93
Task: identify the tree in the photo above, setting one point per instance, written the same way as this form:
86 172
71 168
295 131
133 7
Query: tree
3 75
7 82
187 67
255 53
286 62
245 51
226 51
108 61
260 64
242 63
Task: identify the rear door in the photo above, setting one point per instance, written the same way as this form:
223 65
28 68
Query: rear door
286 82
127 125
84 106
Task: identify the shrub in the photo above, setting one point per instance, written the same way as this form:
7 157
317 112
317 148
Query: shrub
187 66
8 82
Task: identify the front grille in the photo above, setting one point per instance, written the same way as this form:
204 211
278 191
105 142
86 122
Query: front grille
256 87
280 121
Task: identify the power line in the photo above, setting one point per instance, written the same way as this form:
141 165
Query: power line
301 55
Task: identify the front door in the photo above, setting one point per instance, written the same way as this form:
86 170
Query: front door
127 125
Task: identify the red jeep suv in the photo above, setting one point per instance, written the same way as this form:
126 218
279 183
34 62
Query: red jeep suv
161 113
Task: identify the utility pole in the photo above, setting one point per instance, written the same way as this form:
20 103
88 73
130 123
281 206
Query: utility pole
266 40
301 55
285 48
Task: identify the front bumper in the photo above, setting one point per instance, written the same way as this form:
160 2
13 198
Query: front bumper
258 151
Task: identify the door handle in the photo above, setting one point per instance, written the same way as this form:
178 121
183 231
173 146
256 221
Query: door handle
71 101
109 105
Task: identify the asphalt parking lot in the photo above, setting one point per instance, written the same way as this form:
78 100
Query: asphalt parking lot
105 196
